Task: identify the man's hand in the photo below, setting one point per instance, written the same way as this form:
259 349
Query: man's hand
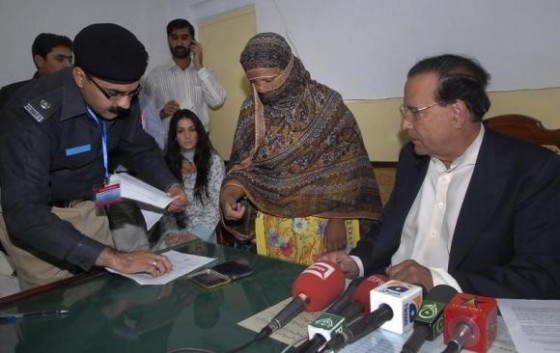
169 109
412 272
196 50
346 263
134 262
334 238
180 199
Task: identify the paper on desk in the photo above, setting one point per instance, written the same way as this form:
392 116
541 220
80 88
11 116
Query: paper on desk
182 264
379 341
533 324
293 332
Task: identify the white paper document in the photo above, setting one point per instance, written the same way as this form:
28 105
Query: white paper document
533 324
379 341
151 217
182 264
137 190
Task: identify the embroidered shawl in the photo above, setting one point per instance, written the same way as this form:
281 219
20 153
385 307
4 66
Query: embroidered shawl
298 150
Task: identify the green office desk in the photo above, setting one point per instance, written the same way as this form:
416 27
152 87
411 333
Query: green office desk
110 313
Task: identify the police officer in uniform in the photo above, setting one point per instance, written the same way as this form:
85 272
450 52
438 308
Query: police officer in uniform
56 141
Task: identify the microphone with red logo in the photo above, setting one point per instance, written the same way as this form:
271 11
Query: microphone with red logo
429 321
470 322
313 290
333 321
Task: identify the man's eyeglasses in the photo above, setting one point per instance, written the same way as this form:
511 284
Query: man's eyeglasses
112 94
411 113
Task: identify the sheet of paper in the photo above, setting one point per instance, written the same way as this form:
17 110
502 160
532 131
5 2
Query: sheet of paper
533 324
182 264
137 190
151 217
379 341
294 331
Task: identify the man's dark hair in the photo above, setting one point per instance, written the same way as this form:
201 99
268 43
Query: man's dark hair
179 23
45 42
459 78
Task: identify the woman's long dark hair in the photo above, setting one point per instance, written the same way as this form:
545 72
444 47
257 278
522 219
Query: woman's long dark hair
202 152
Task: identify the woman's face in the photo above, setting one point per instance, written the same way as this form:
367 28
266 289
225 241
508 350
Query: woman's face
263 78
187 137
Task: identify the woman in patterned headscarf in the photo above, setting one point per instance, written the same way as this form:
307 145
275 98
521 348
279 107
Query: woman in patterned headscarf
298 159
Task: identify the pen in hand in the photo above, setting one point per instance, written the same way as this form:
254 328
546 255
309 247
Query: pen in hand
17 316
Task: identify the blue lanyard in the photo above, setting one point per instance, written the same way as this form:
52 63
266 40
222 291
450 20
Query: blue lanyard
101 124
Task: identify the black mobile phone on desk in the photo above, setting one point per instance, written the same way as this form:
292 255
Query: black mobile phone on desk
233 269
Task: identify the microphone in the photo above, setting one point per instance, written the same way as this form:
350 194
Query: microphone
344 300
470 322
313 290
329 323
403 298
429 322
361 296
396 304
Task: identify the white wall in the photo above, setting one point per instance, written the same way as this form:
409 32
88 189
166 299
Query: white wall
22 20
363 48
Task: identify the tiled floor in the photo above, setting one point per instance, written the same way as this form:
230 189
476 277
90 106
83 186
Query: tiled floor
8 285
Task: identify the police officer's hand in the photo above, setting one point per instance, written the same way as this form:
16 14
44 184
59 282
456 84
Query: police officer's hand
169 109
134 262
180 199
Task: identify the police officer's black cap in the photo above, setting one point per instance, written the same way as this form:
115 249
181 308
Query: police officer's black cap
110 53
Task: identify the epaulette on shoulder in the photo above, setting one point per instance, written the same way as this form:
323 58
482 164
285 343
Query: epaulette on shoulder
43 107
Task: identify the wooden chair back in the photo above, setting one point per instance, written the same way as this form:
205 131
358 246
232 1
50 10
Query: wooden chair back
525 128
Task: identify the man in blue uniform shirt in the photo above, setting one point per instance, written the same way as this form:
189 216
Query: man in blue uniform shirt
56 144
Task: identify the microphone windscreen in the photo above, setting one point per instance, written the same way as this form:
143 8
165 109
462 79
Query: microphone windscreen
322 283
362 294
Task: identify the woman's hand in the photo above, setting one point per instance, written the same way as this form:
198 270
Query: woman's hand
334 238
232 209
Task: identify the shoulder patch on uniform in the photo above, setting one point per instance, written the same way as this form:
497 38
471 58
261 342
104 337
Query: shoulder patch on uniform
42 107
33 112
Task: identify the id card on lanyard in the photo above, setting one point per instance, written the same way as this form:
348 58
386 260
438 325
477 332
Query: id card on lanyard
110 192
